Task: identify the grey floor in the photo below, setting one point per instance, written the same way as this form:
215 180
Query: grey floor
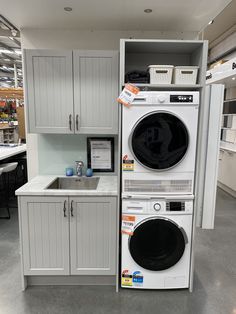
214 286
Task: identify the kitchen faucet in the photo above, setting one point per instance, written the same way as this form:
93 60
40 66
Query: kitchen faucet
79 168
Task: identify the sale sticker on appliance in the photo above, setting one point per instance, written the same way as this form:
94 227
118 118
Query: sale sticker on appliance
128 165
126 278
128 94
127 225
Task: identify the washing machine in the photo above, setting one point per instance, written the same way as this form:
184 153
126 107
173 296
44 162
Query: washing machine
159 133
156 243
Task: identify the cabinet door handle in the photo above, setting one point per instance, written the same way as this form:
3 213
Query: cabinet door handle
77 122
64 209
70 122
71 209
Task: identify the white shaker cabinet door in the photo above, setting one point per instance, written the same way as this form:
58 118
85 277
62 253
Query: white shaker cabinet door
93 235
45 235
49 91
96 91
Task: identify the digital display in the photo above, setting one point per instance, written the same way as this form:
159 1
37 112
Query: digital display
181 98
175 206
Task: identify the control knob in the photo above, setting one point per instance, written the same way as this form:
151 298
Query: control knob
161 98
157 206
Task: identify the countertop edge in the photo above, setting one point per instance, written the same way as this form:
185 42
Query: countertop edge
37 187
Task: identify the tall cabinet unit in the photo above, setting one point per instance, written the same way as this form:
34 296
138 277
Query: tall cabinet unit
71 92
226 74
138 55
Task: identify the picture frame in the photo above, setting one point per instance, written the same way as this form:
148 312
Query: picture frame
100 154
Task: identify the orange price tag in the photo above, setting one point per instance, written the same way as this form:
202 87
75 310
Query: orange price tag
127 226
128 94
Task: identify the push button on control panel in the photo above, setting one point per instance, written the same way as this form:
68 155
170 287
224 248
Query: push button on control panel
157 206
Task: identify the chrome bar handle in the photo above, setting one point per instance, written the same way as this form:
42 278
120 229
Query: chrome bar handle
77 122
71 209
70 122
64 209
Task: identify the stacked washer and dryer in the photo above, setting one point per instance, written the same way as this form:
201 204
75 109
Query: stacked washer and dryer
159 133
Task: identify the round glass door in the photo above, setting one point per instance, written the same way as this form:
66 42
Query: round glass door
159 141
157 244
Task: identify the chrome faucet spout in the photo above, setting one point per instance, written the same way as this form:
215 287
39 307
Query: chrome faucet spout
79 168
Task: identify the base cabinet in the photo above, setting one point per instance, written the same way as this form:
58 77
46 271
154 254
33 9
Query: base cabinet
44 235
93 236
68 235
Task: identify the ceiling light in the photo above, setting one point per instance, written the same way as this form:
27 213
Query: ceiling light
6 51
148 10
68 9
211 22
19 52
233 78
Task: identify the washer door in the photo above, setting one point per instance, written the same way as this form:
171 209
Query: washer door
159 140
157 243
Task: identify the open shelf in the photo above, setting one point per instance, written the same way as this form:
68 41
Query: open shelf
137 55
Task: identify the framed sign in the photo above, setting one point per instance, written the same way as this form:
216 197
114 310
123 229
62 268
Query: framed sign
101 154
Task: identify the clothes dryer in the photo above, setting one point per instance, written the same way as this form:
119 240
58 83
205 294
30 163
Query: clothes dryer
159 133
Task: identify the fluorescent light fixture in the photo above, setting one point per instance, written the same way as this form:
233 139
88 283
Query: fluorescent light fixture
233 78
19 52
6 51
211 22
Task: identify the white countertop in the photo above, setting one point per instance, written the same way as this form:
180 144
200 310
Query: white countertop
7 151
107 186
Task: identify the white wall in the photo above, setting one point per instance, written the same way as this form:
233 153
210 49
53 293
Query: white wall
223 47
75 39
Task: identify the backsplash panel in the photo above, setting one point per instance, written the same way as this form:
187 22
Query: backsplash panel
59 151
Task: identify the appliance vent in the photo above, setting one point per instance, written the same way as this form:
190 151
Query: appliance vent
164 186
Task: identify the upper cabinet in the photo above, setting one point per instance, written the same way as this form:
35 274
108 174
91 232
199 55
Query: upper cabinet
71 93
95 91
49 91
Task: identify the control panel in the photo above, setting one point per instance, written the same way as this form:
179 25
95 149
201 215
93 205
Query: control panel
157 206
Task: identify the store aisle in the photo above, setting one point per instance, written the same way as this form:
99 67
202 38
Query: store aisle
214 289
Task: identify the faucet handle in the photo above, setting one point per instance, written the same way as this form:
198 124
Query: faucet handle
80 163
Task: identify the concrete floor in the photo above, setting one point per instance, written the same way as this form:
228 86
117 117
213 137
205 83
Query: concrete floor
214 286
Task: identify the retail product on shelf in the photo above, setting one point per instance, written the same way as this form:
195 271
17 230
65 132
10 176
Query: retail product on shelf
160 74
185 74
136 76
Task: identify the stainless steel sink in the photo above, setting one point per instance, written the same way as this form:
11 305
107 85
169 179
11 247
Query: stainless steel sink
73 183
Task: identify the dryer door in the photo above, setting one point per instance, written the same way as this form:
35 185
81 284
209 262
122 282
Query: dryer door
159 140
157 243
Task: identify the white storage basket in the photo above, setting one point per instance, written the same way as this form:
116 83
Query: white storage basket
160 74
231 121
185 75
229 136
